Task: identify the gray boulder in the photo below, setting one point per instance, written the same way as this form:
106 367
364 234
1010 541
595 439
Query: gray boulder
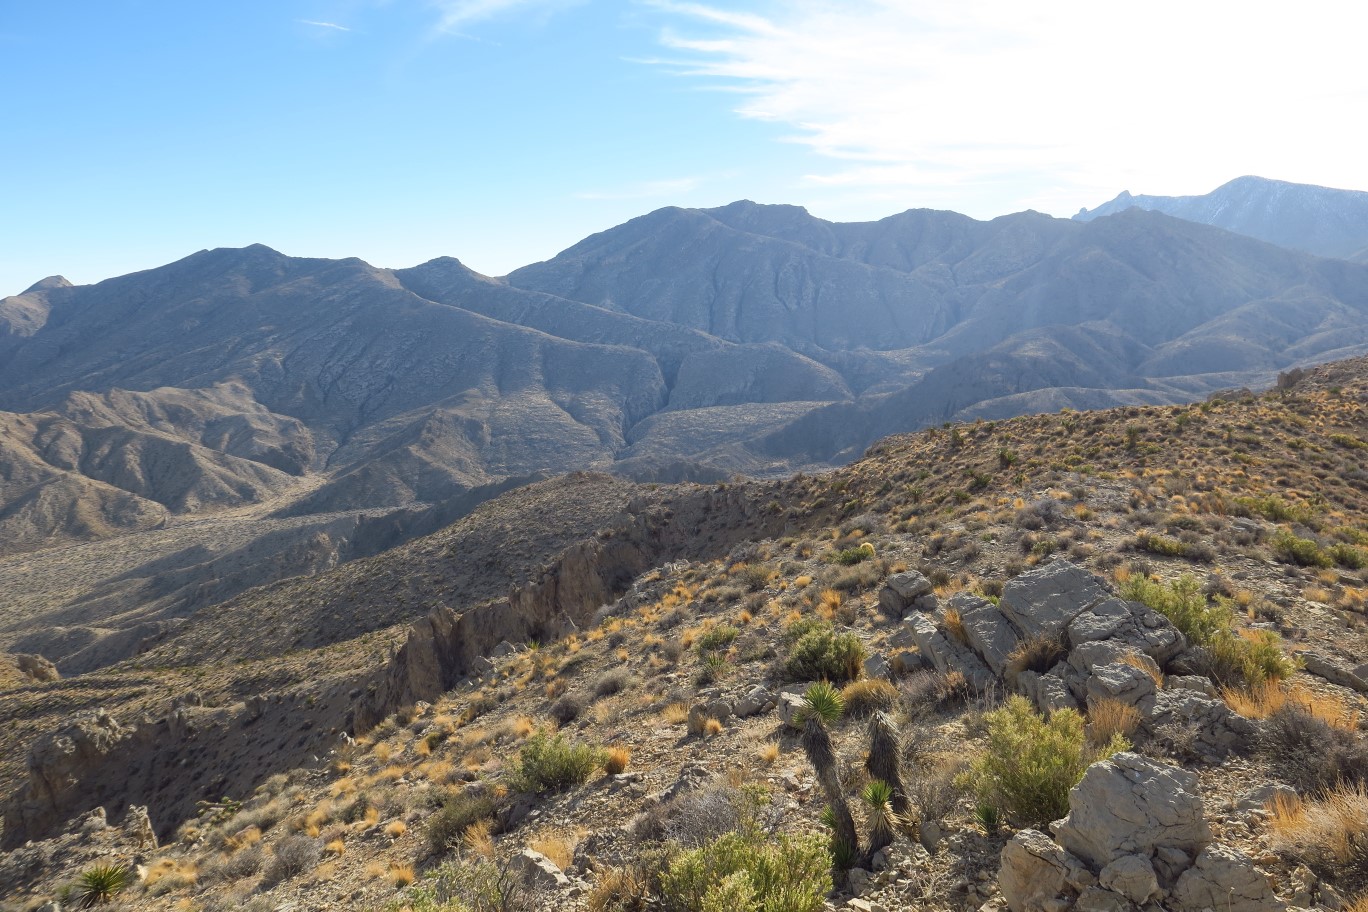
949 655
988 631
1211 727
1124 683
1129 805
1096 899
1047 691
900 590
1132 876
1035 872
1139 627
1046 601
1333 671
1225 879
753 702
538 871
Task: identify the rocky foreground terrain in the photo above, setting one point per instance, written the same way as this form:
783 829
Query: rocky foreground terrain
1103 660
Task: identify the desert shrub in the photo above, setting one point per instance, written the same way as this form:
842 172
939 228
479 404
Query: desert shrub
470 885
611 683
1303 552
1272 508
622 890
719 637
821 652
1310 753
1228 657
458 811
856 578
567 709
695 818
1030 762
848 557
754 576
866 697
774 874
1349 556
293 856
1329 832
553 764
242 863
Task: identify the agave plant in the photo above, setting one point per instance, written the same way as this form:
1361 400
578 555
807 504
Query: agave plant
98 885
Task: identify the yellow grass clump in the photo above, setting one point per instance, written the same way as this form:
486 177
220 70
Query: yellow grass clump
616 760
1108 717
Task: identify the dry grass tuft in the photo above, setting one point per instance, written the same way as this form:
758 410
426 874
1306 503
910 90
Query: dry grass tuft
395 829
954 625
401 875
478 839
1145 664
1329 832
769 752
676 713
1108 717
712 727
1257 702
868 696
336 847
558 847
616 759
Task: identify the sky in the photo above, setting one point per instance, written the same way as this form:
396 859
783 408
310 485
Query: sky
136 132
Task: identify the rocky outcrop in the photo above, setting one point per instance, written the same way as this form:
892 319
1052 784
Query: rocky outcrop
36 668
1135 835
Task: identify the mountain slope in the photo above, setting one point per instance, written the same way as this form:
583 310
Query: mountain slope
1319 220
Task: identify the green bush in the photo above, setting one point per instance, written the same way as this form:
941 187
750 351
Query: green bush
457 813
1031 763
848 556
1300 551
1230 658
1272 508
767 873
821 652
1349 556
718 638
553 764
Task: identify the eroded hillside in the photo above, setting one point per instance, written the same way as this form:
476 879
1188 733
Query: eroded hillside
1188 578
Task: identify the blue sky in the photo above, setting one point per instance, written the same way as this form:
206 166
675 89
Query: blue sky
502 131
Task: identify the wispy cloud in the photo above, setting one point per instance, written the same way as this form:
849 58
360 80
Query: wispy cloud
657 189
323 25
456 15
1067 101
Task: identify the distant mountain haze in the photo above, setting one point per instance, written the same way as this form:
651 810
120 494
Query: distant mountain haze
1319 220
684 344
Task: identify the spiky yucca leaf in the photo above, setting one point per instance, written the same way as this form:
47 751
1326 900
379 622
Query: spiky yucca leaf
825 701
98 885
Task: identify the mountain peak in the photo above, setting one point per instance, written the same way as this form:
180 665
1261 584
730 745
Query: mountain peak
48 284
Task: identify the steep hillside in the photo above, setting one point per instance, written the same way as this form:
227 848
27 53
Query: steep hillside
1319 220
1199 567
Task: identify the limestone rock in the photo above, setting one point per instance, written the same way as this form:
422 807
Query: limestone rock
900 590
1122 682
755 701
1258 798
538 871
876 666
1045 601
1225 879
790 708
989 632
1129 805
1132 876
1216 730
1196 683
1046 691
1096 899
948 655
1034 871
138 826
1334 672
1139 627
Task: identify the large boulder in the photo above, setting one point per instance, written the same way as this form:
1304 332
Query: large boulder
1132 876
1140 628
1208 727
1129 805
1044 602
1035 872
1124 683
949 655
1048 692
1225 879
987 629
902 589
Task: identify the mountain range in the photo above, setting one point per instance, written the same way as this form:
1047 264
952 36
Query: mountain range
282 415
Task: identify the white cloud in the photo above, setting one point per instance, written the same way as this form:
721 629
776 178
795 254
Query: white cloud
323 25
994 105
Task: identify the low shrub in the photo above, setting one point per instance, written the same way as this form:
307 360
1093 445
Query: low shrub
866 697
1309 752
1329 832
774 874
1303 552
1231 658
1031 763
458 811
695 818
719 637
821 652
293 856
553 764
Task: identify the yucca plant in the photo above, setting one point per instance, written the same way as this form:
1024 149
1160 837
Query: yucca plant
823 700
822 705
99 884
878 797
